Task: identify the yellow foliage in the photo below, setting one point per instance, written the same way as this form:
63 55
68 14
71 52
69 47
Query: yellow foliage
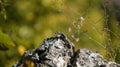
21 49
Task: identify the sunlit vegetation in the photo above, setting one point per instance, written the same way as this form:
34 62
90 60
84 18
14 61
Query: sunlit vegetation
24 24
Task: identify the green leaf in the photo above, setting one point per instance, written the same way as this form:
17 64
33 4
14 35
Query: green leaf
3 12
5 41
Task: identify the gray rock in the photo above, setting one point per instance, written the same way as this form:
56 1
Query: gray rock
54 52
58 51
87 58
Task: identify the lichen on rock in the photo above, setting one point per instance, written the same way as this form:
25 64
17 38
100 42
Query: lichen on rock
58 51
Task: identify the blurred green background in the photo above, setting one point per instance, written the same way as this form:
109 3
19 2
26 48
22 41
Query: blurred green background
91 24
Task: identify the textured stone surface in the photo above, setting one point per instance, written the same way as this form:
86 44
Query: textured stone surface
54 52
87 58
58 51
